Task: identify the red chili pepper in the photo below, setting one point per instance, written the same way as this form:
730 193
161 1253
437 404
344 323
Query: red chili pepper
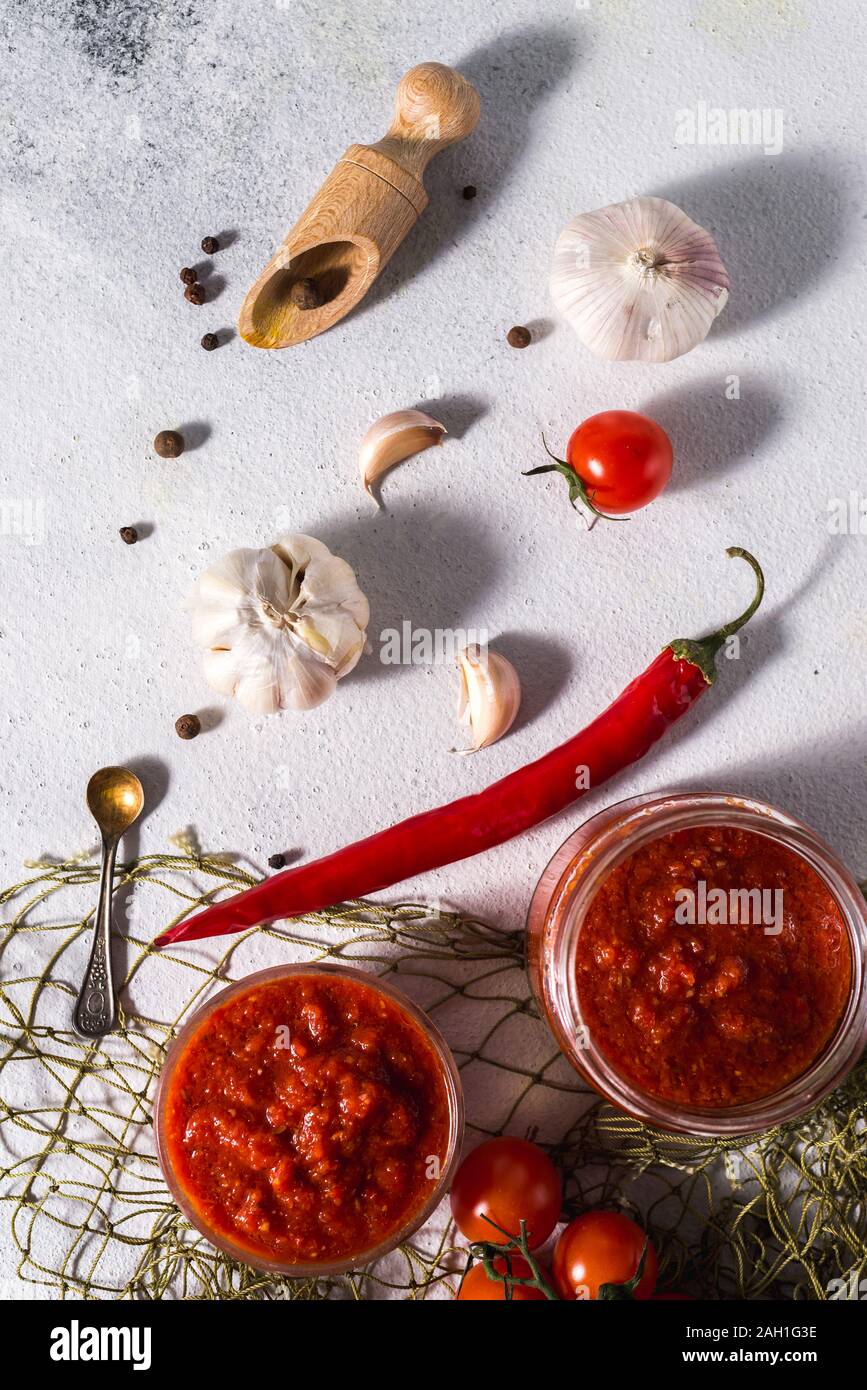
626 730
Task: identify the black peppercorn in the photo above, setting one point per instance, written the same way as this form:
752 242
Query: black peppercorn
210 341
519 337
188 276
210 245
306 294
195 294
470 191
129 535
277 861
169 444
188 726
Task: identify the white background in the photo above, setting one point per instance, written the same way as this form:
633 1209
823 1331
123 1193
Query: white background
125 139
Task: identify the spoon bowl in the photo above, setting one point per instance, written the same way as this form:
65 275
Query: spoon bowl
115 798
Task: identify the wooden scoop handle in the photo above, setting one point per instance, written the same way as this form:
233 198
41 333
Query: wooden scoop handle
434 108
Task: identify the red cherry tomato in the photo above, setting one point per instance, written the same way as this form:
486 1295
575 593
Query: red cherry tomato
478 1288
508 1180
601 1247
616 462
622 458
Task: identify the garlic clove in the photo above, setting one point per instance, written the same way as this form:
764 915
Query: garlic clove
638 281
394 438
224 601
305 684
331 583
220 669
249 680
333 637
490 696
298 551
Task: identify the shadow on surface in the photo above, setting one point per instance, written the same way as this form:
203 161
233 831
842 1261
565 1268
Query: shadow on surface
433 568
779 225
544 666
710 434
513 75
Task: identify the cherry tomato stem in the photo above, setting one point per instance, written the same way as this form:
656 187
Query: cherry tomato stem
507 1277
616 462
497 1259
578 493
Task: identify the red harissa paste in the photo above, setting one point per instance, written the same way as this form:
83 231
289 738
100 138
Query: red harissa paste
720 1013
302 1116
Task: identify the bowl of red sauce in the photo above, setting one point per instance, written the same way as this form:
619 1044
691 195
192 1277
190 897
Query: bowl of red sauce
308 1119
701 959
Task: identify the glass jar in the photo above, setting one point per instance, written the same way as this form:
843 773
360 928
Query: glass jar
560 904
451 1082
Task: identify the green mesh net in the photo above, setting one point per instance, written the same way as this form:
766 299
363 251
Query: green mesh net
782 1215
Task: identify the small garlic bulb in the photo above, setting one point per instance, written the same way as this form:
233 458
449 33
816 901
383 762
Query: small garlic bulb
638 280
393 438
279 626
490 696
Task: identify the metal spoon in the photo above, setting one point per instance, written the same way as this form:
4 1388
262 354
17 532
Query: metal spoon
115 798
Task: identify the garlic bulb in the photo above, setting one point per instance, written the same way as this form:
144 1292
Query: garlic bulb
490 696
394 438
638 280
279 626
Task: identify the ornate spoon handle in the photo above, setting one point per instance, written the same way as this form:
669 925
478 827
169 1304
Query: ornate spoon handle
96 1007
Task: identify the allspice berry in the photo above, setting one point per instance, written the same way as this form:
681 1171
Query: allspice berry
210 245
169 444
129 535
188 726
277 861
188 275
195 294
470 191
519 337
305 294
210 341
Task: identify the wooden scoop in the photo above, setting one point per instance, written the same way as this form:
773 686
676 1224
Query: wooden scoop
361 213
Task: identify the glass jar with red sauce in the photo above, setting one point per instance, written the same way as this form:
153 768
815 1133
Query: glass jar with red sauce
684 1014
308 1119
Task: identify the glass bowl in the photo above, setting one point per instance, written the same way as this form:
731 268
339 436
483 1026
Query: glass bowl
560 903
451 1084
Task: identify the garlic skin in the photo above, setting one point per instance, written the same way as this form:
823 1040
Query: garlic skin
638 281
393 438
279 626
490 696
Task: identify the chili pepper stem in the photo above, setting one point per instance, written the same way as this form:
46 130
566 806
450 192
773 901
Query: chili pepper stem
702 651
577 487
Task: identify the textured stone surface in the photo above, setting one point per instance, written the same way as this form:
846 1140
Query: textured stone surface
128 131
